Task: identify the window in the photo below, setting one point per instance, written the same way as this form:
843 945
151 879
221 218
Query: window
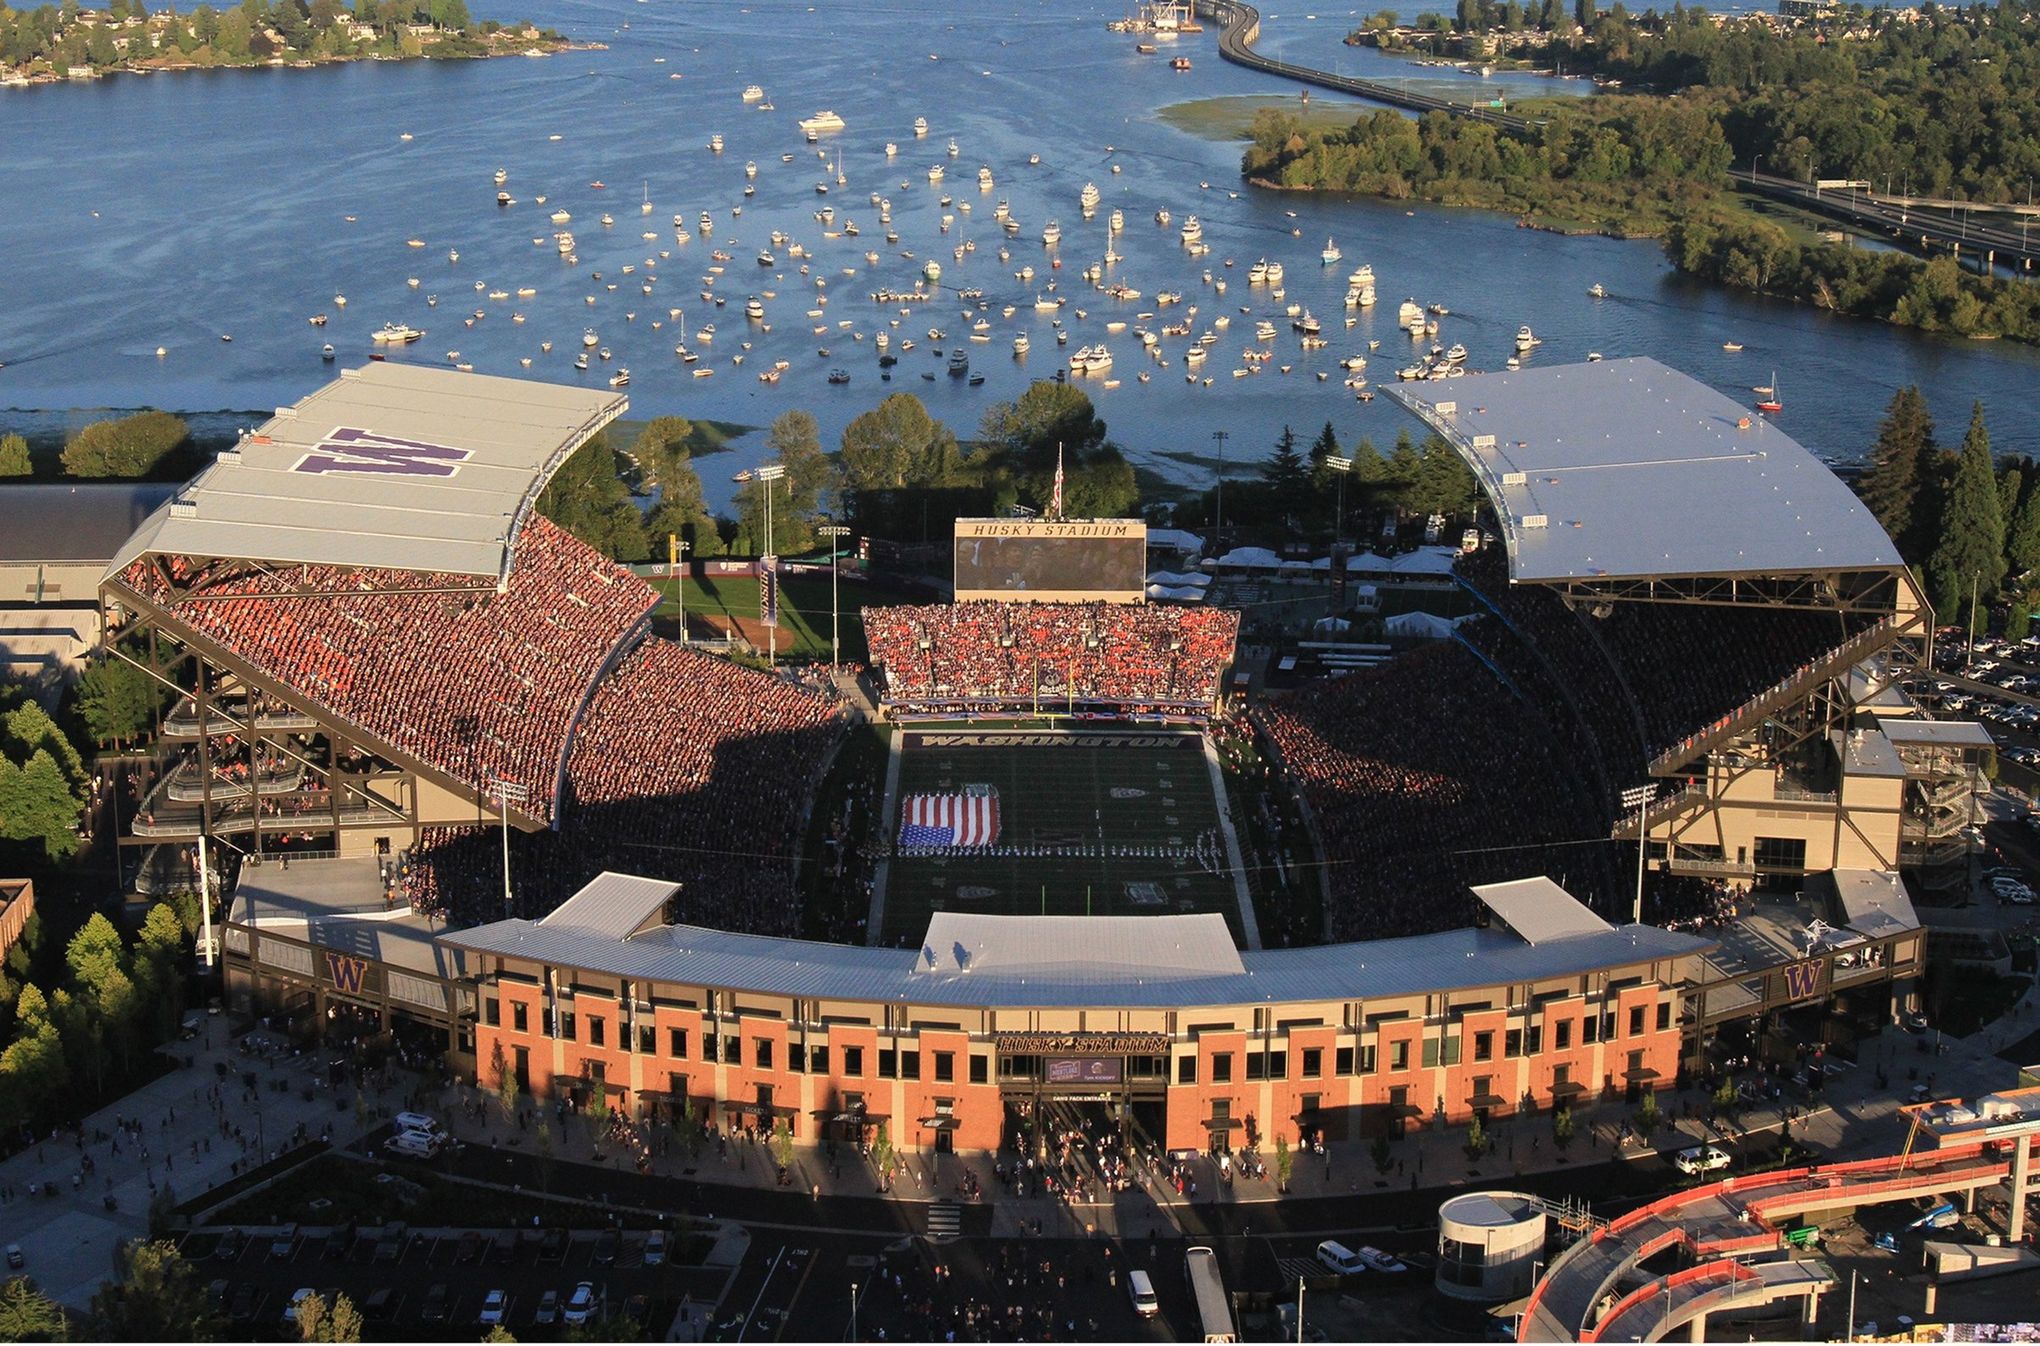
1512 1042
1608 1026
676 1043
1186 1070
567 1025
1257 1065
979 1069
761 1052
1483 1087
733 1050
888 1063
1430 1052
818 1060
1221 1067
1342 1061
910 1065
1636 1021
853 1062
945 1067
492 1012
1483 1046
520 1017
647 1039
1561 1075
1564 1036
1781 853
1534 1042
1366 1066
1399 1055
1590 1028
1278 1065
598 1029
1664 1015
1313 1062
796 1059
708 1046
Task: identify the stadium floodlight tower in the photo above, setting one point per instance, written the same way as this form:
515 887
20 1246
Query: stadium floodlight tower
834 532
1344 467
765 475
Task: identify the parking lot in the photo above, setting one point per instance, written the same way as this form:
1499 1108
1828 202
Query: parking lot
411 1284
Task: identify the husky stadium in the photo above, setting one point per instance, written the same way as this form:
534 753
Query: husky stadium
457 789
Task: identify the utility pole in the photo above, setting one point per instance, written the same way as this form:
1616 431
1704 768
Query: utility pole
833 532
1218 526
507 792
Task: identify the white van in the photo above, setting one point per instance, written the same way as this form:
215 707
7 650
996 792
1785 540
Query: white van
413 1145
1141 1291
1338 1259
417 1121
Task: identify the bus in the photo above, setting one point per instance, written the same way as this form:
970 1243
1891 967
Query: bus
1207 1287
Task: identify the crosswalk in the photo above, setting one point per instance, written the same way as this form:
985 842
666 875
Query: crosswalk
945 1220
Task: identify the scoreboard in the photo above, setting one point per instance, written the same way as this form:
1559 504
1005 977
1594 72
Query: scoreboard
1044 561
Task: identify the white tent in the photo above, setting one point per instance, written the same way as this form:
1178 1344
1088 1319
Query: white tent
1175 593
1330 625
1249 558
1170 577
1425 561
1174 539
1421 625
1368 563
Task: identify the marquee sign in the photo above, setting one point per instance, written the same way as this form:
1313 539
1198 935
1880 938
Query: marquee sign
1081 1044
365 452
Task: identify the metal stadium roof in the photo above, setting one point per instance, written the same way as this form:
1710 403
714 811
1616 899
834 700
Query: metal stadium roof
696 956
1625 469
81 523
1539 910
389 465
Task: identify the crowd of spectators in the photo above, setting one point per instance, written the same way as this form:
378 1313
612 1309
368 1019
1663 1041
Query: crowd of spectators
480 686
1693 903
1008 654
685 767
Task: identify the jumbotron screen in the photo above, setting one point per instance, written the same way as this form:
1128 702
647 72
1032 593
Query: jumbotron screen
1037 560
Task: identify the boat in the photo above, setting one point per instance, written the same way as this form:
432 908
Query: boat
317 320
754 309
1731 346
1051 233
1180 63
502 176
1331 253
395 334
1021 344
920 126
1525 339
502 198
1117 221
715 143
839 376
827 121
1089 198
588 338
580 362
1598 290
1257 274
1274 273
1768 401
327 354
985 177
560 217
753 94
620 379
954 148
959 364
1145 48
935 172
1193 229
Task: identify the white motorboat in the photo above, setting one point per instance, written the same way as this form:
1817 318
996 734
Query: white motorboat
1089 198
395 334
753 94
1193 230
822 121
1051 233
1331 253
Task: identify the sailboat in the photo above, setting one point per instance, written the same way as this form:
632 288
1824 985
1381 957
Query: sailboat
1767 397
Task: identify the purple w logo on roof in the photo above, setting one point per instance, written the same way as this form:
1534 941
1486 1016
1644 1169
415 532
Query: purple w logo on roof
350 450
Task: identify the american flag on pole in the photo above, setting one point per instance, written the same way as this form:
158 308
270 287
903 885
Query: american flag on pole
1055 500
968 819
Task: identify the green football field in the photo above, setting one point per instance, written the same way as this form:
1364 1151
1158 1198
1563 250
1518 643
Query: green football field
1115 823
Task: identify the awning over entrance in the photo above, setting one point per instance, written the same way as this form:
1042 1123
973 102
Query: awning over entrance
1222 1123
759 1110
943 1122
1487 1101
1642 1075
1567 1089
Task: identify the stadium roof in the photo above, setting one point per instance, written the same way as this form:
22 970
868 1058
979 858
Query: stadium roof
1936 733
390 465
1539 910
1625 469
1874 902
84 523
1193 971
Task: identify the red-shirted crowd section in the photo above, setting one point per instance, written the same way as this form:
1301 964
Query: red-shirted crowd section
989 656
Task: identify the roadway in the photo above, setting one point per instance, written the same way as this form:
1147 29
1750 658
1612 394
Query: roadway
1900 219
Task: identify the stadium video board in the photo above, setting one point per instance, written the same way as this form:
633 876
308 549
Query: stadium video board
1042 561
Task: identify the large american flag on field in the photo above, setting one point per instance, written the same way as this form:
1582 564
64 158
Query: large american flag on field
970 819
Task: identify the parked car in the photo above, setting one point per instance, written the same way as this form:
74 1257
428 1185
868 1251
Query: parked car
245 1300
435 1303
231 1245
1377 1260
470 1250
1337 1258
16 1259
1700 1159
580 1304
548 1309
418 1121
495 1307
1141 1290
379 1304
297 1299
655 1248
605 1247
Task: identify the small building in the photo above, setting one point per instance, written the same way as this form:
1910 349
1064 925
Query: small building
1489 1245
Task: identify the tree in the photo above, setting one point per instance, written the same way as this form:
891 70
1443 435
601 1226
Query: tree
38 804
782 1145
14 457
155 1296
1287 478
311 1318
897 443
129 447
1970 557
1382 1153
1648 1114
2022 546
28 728
1901 462
27 1314
116 700
506 1082
1057 420
882 1156
500 1334
1285 1162
1562 1127
587 498
1477 1141
796 443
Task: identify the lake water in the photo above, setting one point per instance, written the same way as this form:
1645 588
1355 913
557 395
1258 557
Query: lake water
168 210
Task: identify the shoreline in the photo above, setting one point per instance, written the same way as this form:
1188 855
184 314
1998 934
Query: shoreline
53 78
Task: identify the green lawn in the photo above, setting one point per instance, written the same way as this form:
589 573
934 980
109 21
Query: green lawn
1108 792
803 609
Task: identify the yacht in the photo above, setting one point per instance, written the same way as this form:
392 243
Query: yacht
920 126
1117 221
935 172
395 334
959 364
954 148
502 176
1088 198
1362 277
620 379
502 198
754 309
1021 344
753 94
1257 274
932 269
985 177
588 338
1598 290
1274 273
565 243
822 121
1051 234
715 143
1331 253
1193 230
892 148
1525 339
1306 324
561 217
1162 217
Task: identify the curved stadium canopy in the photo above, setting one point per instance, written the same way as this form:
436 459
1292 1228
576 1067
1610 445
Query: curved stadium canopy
390 465
1626 469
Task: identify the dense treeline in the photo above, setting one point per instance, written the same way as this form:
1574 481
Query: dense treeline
127 32
1630 166
1968 524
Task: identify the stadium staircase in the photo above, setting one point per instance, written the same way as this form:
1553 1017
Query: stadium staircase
1754 711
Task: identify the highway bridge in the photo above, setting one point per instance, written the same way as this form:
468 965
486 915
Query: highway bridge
1910 225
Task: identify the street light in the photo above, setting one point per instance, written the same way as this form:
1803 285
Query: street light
833 531
1344 467
766 475
853 1310
507 792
